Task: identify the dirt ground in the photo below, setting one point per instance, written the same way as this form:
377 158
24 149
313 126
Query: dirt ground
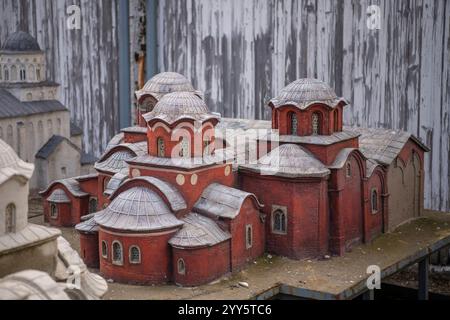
439 282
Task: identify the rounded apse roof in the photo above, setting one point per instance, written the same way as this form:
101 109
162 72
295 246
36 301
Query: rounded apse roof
11 164
21 42
305 92
164 83
178 105
138 209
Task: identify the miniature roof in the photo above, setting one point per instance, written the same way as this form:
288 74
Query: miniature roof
180 105
303 93
115 141
171 194
342 158
114 158
75 130
198 231
50 146
20 42
222 201
115 182
290 161
31 285
11 165
138 209
25 237
383 145
11 107
135 129
88 226
58 196
182 163
317 140
72 185
165 83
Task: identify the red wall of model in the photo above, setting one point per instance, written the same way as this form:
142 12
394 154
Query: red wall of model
156 258
134 137
373 221
89 249
307 213
202 265
249 215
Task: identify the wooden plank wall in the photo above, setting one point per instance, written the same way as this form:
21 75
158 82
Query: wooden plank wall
83 61
241 53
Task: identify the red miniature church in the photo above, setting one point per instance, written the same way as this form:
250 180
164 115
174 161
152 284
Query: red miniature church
170 204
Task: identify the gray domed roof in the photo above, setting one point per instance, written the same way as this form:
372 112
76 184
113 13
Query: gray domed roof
291 161
58 196
138 209
21 42
164 83
305 92
180 105
12 165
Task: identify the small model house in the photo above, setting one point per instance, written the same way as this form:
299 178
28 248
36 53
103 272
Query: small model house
169 203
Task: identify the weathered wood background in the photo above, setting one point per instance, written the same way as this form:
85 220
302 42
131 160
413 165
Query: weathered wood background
242 52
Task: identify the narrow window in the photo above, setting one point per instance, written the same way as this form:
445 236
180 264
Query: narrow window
117 255
249 236
184 151
13 73
336 120
53 211
206 146
294 124
279 222
374 201
10 219
181 267
105 183
6 74
161 148
315 124
135 255
22 74
93 203
104 249
348 170
64 171
38 74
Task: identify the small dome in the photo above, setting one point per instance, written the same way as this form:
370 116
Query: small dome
305 92
289 160
21 42
11 164
178 105
138 209
58 196
164 83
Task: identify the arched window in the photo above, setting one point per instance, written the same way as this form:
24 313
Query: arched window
13 73
50 127
6 73
93 202
336 120
40 132
348 170
293 120
181 266
374 201
315 120
38 74
135 255
185 146
22 73
279 222
53 211
10 218
249 236
117 253
104 249
206 145
9 135
161 147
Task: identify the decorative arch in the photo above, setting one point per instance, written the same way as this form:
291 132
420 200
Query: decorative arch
316 123
181 267
117 252
161 147
292 120
135 255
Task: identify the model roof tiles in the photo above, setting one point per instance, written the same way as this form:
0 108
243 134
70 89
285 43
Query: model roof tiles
58 196
88 226
115 182
138 209
176 106
115 161
164 83
11 165
20 41
303 93
71 184
222 201
290 161
198 231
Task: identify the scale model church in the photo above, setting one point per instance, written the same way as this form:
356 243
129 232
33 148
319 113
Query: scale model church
169 202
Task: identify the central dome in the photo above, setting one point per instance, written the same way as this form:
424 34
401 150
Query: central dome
21 42
304 92
180 105
11 164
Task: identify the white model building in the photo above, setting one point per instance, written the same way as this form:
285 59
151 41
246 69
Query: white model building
32 119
